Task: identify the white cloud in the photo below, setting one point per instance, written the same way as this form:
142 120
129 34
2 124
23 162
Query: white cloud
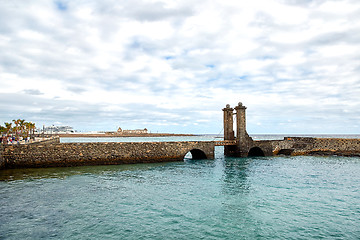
339 50
337 7
170 64
292 58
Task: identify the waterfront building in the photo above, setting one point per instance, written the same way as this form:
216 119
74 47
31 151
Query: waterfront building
135 131
56 129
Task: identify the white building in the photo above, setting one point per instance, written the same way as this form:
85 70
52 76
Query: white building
135 131
57 130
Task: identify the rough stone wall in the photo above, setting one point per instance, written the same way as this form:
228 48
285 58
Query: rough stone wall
338 146
310 146
51 140
267 146
322 146
2 161
75 154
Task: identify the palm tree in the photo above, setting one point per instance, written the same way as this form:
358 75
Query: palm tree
16 128
8 127
19 125
2 129
27 128
32 127
22 126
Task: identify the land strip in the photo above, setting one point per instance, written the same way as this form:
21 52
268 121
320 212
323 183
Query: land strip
91 135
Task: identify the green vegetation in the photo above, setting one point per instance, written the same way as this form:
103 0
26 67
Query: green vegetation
20 128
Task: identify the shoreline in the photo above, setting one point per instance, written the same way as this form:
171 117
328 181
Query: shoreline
99 135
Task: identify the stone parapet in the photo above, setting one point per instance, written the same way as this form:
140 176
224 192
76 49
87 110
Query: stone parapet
75 154
2 160
51 140
309 146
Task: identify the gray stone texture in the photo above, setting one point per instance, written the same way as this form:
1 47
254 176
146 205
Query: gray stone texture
309 146
288 146
75 154
2 160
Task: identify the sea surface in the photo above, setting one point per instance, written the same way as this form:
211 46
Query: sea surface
209 137
302 197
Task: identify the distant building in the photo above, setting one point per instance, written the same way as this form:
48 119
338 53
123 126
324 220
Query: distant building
57 129
135 131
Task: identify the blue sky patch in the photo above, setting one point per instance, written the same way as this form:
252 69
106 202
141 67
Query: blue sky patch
61 6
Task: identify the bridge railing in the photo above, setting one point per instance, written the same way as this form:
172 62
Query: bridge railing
225 143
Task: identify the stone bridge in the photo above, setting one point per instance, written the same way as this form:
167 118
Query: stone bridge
99 153
293 146
241 145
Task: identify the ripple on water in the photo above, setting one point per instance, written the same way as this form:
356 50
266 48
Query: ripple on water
228 198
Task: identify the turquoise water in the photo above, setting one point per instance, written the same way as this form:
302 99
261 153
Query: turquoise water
142 139
212 137
225 198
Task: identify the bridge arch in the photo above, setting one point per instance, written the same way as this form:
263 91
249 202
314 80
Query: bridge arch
286 152
196 154
256 152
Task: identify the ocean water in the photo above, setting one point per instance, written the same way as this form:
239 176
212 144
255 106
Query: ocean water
142 139
302 197
209 137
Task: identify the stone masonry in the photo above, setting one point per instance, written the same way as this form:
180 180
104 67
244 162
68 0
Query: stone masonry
75 154
52 153
243 141
2 161
245 146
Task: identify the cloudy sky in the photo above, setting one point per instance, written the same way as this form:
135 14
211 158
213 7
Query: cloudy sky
172 65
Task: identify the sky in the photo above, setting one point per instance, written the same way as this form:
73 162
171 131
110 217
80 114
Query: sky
171 66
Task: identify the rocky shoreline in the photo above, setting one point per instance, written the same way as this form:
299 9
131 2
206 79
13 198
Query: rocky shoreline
99 135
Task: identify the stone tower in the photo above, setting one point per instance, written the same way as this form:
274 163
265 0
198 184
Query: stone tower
228 129
242 138
228 123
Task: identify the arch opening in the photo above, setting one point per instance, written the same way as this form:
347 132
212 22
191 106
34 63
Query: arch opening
256 152
195 154
286 152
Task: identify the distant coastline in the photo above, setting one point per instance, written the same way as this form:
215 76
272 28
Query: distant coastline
107 135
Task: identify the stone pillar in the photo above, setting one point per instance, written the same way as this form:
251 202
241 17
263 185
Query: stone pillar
228 128
241 134
228 123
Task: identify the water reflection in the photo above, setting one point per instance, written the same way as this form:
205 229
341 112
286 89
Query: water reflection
229 198
235 175
64 172
237 197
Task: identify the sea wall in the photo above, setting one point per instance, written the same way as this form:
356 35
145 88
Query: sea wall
75 154
336 146
310 146
2 161
50 140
